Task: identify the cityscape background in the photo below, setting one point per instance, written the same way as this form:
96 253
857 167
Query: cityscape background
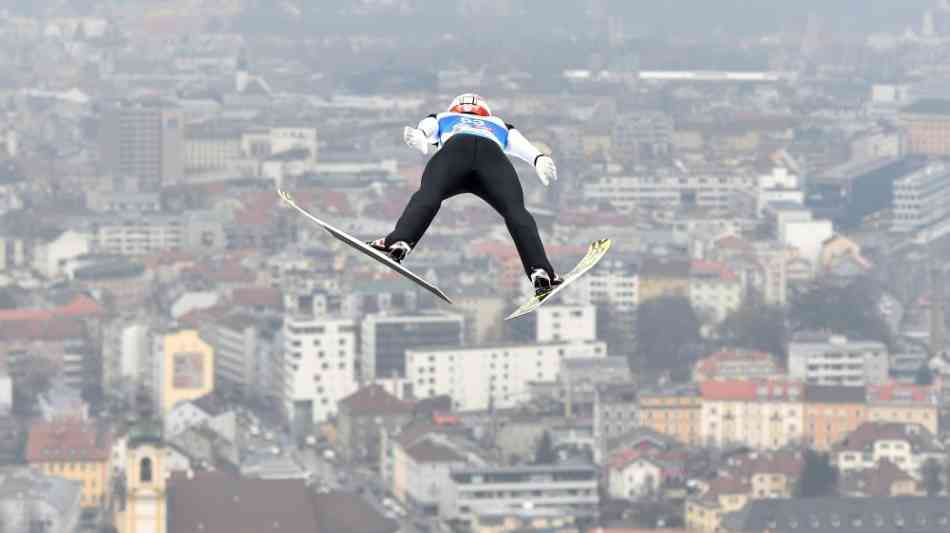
763 349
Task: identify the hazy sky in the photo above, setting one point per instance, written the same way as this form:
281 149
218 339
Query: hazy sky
677 16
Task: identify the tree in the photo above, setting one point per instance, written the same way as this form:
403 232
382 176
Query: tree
851 310
666 327
818 478
930 473
545 454
757 327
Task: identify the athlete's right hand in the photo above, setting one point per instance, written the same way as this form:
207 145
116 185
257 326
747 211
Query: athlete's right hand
547 171
415 138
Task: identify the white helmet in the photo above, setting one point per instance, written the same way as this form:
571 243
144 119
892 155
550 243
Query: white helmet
470 103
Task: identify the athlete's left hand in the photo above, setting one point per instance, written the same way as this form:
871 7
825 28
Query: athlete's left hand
415 138
547 171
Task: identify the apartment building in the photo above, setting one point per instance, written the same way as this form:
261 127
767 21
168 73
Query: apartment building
821 359
921 198
572 488
318 365
669 189
927 123
832 412
762 414
672 411
492 375
387 337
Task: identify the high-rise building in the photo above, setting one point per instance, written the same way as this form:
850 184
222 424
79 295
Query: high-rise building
386 338
921 198
319 366
491 376
142 141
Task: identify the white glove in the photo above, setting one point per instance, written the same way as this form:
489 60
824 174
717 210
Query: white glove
416 138
547 172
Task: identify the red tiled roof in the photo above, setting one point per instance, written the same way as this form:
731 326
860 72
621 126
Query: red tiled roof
877 481
710 364
223 271
700 267
868 433
901 392
200 317
260 206
748 390
732 241
167 257
624 457
374 399
258 296
789 463
80 306
67 441
48 329
725 485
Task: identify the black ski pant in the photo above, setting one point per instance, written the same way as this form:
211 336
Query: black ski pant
477 165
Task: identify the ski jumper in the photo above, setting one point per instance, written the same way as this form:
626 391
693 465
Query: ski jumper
472 159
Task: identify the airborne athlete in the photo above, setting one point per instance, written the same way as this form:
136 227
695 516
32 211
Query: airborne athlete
472 159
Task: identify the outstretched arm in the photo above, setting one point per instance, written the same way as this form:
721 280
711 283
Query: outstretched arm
521 148
430 127
422 136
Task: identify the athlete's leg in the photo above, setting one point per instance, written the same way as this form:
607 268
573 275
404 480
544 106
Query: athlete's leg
445 175
496 181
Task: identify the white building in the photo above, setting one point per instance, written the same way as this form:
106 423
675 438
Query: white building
669 190
203 411
245 353
485 376
50 257
614 282
126 356
319 365
908 446
386 338
778 186
6 393
137 235
715 291
921 198
633 476
423 464
572 488
554 323
836 360
797 228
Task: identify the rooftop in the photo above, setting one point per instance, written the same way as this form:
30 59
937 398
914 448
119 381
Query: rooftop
67 441
375 400
213 502
843 515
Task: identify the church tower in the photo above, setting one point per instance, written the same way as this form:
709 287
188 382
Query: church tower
141 488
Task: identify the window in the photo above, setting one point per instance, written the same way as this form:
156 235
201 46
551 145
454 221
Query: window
145 470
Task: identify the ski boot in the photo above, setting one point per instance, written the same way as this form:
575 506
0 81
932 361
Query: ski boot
396 251
543 282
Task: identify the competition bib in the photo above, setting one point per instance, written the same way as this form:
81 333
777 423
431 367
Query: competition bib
455 123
